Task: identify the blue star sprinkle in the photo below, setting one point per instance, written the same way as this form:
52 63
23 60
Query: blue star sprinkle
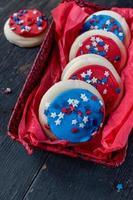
119 187
118 90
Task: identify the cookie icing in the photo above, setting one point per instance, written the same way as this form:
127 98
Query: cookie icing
103 46
104 81
106 23
75 115
28 23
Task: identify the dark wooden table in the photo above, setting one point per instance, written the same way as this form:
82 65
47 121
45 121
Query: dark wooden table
45 176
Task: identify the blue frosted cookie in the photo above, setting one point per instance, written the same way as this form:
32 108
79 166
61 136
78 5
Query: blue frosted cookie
109 21
71 110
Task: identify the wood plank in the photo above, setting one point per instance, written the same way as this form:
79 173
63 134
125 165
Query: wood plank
17 169
63 178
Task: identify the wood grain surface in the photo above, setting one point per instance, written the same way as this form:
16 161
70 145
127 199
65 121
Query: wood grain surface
45 176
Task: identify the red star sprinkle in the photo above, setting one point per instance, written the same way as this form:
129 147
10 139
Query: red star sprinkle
74 130
94 98
88 112
79 113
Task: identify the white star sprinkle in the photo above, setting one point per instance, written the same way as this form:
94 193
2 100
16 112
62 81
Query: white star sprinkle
70 101
106 73
120 34
46 106
94 80
73 102
88 81
91 27
95 27
89 72
81 125
87 46
83 75
84 97
101 125
106 47
53 114
108 22
96 48
58 122
61 115
94 44
105 91
105 29
93 39
85 119
21 22
15 14
74 122
98 39
39 28
34 11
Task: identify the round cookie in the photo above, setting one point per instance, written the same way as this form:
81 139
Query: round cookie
109 21
100 73
71 110
102 43
26 28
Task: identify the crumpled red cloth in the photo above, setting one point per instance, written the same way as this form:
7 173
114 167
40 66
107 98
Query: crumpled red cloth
108 147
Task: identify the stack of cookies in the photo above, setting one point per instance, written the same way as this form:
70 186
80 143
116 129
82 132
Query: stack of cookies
90 89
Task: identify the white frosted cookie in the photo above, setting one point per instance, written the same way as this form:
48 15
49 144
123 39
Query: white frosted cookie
99 72
109 21
71 110
102 43
26 28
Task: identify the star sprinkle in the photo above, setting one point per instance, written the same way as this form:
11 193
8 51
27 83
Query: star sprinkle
94 44
119 187
74 122
73 102
58 122
93 39
106 73
106 47
88 81
34 11
53 114
105 91
87 46
85 119
83 75
95 27
94 80
108 22
89 72
120 34
70 101
84 97
98 39
61 115
81 125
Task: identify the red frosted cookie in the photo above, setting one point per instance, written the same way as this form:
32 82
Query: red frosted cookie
100 73
26 28
102 43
